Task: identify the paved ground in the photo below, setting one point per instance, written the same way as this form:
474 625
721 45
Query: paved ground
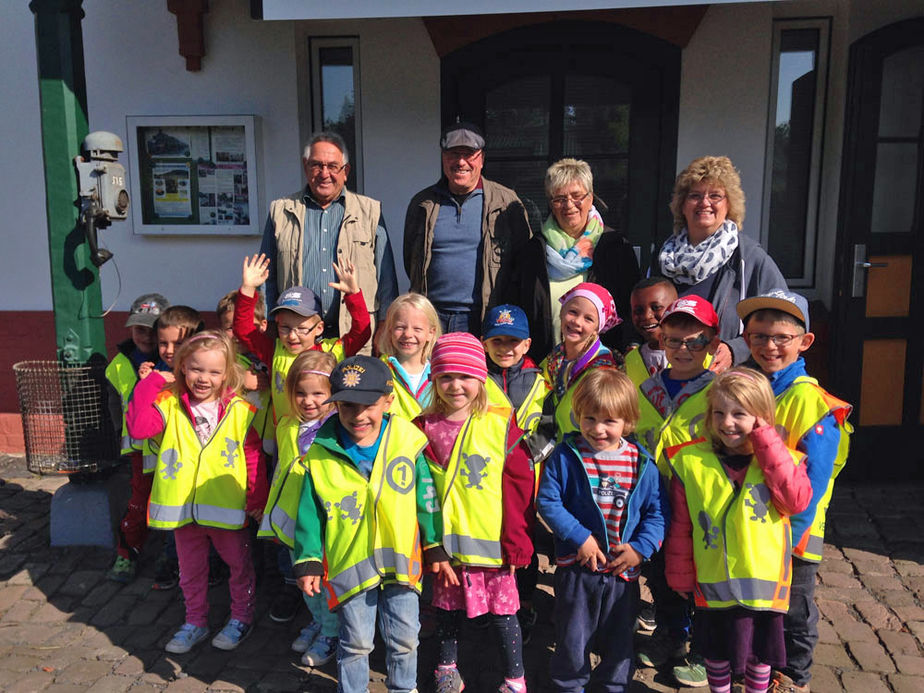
63 627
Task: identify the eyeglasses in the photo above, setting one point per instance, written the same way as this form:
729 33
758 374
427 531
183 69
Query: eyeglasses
780 340
318 166
562 200
285 330
692 345
698 197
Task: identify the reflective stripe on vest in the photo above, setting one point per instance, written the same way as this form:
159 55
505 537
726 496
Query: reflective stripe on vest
371 532
121 373
150 448
798 408
206 484
686 423
285 488
470 490
741 543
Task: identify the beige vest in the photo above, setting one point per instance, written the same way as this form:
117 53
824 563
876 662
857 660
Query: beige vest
356 243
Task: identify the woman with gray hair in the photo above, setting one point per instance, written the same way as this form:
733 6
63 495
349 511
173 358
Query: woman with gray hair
709 257
574 246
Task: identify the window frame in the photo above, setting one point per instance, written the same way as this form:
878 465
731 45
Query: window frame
315 44
806 280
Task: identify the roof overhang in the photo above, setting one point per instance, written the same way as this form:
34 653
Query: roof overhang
375 9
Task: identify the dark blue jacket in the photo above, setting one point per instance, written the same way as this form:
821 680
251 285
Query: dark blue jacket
567 505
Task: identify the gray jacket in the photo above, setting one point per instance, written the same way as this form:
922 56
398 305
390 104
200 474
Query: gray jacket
760 275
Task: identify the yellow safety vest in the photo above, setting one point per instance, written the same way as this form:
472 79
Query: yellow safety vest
636 368
286 487
530 410
405 404
371 532
741 543
282 362
686 423
470 490
205 484
798 408
262 420
121 373
150 448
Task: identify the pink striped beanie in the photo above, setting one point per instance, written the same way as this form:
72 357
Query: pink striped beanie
459 352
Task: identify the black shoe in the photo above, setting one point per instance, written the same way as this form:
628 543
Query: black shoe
527 616
646 617
285 604
166 573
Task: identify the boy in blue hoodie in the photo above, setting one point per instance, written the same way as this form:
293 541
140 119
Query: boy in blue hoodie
776 329
602 497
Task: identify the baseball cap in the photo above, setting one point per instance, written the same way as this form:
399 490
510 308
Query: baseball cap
146 309
360 379
696 307
505 320
462 135
300 300
777 299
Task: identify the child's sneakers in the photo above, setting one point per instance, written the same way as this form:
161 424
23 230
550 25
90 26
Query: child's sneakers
306 637
322 650
186 638
513 685
166 573
781 683
646 617
231 635
692 673
659 649
123 570
448 680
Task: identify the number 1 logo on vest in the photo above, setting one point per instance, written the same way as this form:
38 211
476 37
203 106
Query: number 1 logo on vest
400 474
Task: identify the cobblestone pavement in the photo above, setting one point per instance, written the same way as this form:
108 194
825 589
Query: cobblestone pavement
64 627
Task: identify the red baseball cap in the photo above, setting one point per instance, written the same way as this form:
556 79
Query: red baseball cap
695 306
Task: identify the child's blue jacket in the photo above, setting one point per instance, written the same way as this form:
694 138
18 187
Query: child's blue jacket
566 503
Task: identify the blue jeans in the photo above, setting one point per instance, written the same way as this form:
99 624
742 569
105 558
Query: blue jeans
593 611
398 611
455 321
801 622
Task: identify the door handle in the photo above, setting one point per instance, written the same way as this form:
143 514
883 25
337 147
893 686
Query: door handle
860 265
871 265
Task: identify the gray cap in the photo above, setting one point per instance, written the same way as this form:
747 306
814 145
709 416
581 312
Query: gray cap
462 135
146 309
777 299
300 300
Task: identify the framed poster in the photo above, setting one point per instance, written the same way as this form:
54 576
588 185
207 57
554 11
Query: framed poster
194 175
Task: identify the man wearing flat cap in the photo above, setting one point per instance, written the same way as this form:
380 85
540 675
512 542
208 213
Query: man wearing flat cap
463 234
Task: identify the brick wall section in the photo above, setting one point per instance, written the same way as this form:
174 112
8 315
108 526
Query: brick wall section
29 335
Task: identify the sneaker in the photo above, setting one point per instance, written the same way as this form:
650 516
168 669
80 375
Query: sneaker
507 687
659 649
781 683
166 574
646 617
448 680
527 616
322 650
306 637
123 570
186 638
692 672
285 604
231 635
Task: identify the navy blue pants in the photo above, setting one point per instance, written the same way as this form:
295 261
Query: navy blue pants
800 625
672 612
593 611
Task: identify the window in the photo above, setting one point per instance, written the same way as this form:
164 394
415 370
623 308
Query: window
789 226
336 101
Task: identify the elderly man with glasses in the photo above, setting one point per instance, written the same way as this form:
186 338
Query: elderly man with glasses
463 234
325 223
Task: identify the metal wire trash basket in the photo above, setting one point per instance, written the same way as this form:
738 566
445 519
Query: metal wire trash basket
69 417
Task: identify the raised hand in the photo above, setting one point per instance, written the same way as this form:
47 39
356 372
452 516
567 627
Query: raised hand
144 370
254 273
346 273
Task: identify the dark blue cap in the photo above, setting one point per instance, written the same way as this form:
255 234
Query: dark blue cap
300 300
505 320
360 379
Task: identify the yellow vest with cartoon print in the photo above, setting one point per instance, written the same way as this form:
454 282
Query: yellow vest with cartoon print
530 410
798 408
282 362
371 532
404 404
121 373
150 449
741 543
205 484
470 490
286 487
686 423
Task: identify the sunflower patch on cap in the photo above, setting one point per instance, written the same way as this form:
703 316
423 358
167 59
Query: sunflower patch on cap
360 379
